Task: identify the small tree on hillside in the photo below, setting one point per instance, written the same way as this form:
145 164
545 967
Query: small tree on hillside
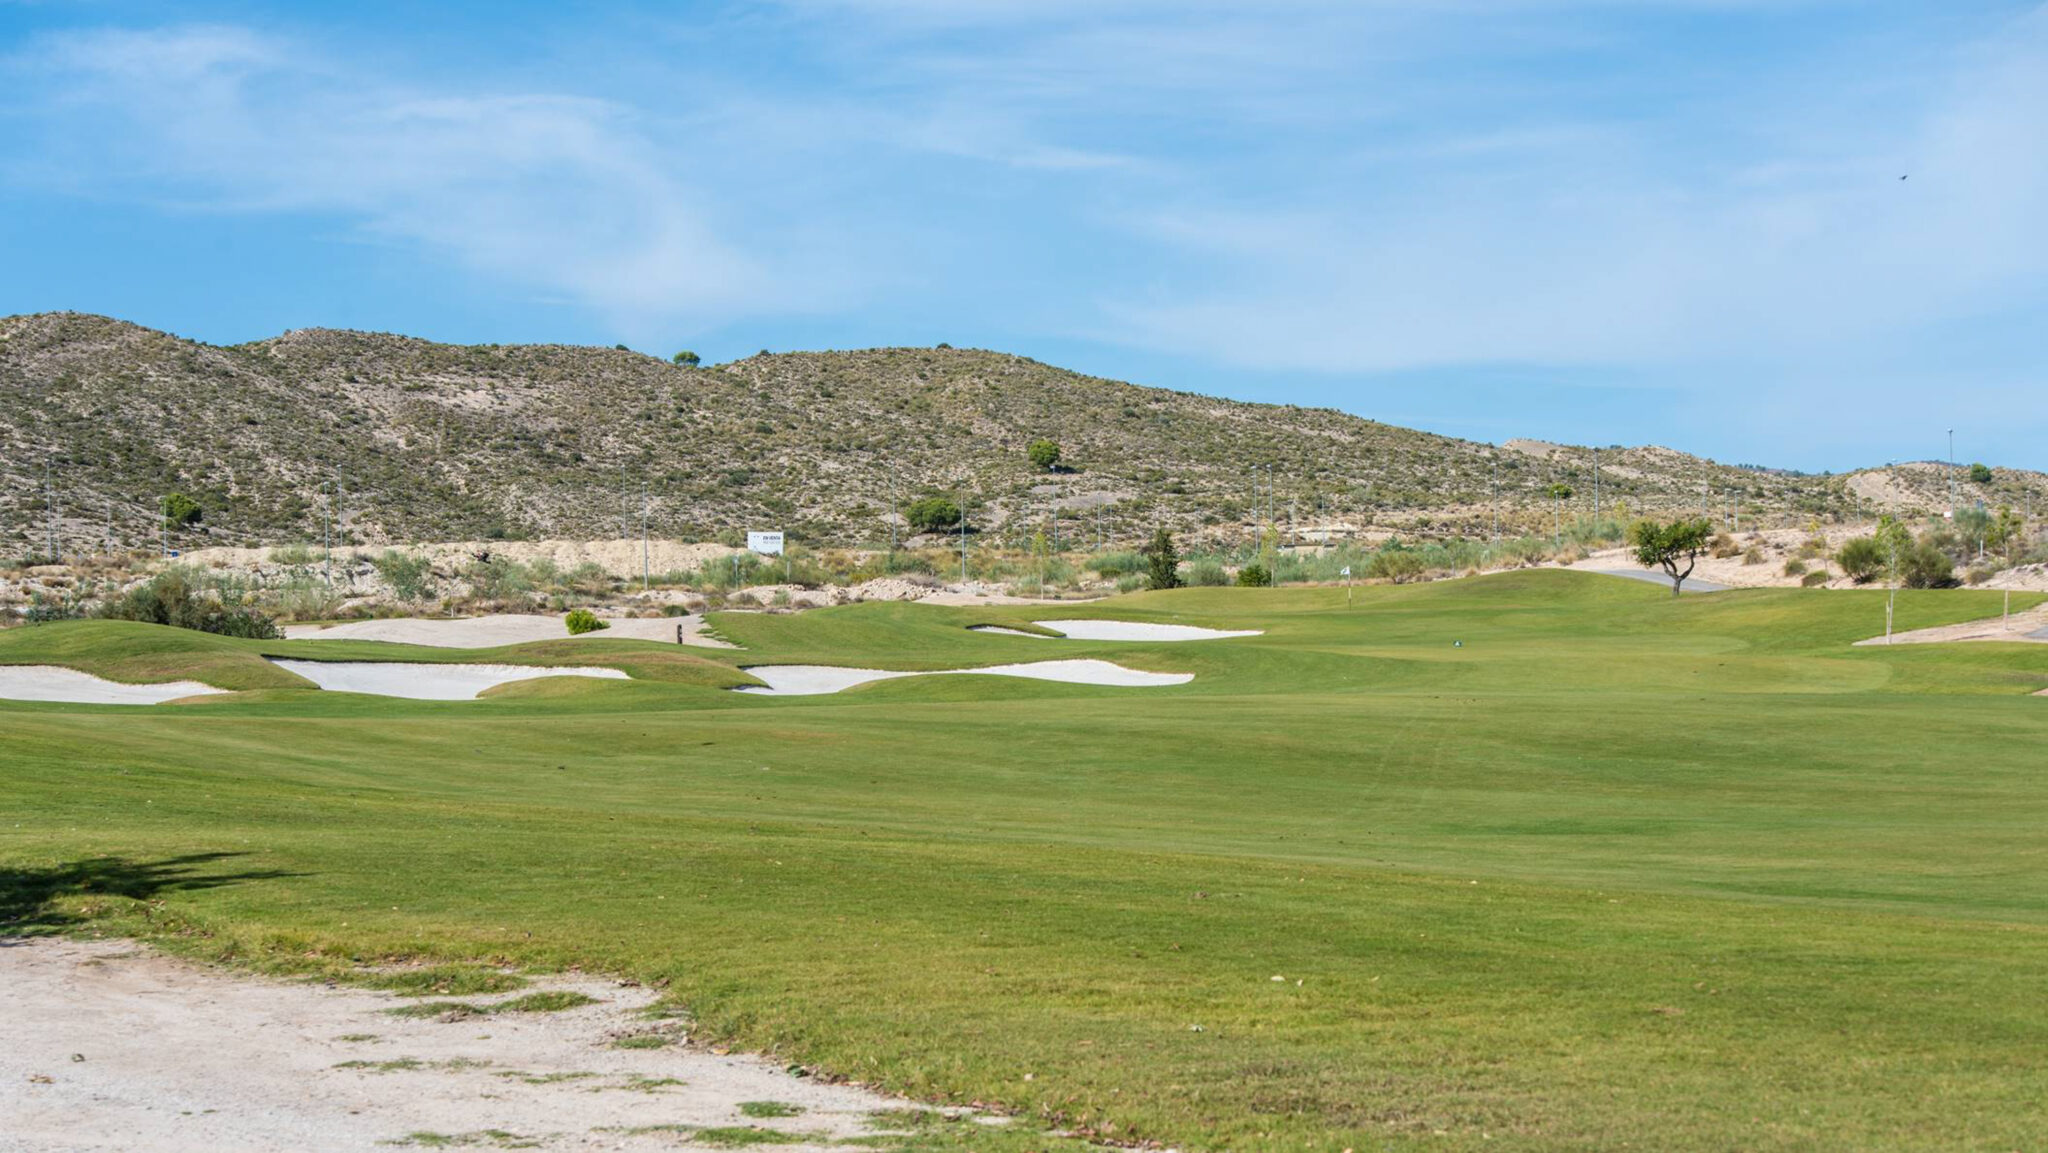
181 510
687 359
1045 454
1980 473
1162 561
932 513
1669 545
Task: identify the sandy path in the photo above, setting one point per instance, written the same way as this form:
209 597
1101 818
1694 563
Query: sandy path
2027 627
109 1047
1659 578
503 629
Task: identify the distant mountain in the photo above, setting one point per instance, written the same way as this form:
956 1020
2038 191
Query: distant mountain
425 441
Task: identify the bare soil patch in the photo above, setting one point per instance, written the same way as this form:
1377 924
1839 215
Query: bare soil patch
109 1046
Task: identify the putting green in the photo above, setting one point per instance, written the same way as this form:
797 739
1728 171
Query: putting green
1541 861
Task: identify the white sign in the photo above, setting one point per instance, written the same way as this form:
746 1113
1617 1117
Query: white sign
767 543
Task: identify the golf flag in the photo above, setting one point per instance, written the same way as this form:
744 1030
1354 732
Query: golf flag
1347 570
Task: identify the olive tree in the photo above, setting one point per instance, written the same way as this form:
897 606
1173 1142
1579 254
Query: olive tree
1668 545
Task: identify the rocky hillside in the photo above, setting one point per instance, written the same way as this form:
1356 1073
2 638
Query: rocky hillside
422 441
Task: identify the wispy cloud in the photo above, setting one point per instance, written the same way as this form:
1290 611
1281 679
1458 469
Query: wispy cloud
561 193
1603 244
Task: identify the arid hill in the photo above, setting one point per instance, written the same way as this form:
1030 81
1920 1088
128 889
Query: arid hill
422 441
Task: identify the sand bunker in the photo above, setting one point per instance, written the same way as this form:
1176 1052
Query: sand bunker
423 682
1001 631
1135 631
503 629
112 1047
50 683
812 680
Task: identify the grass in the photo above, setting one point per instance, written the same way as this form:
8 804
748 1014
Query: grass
547 1002
770 1109
1687 874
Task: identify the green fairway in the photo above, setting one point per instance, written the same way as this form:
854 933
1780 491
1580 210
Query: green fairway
1541 860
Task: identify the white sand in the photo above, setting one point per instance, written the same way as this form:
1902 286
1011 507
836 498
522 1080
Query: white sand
1001 631
50 683
109 1047
423 682
812 680
1135 631
502 629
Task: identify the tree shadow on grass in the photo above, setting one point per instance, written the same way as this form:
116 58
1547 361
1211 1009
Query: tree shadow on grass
29 896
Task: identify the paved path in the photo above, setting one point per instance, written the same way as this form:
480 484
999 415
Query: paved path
1655 577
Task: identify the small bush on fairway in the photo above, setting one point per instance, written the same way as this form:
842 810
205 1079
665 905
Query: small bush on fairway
583 621
1254 576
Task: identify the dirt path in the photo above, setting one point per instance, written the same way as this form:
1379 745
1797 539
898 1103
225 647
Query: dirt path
109 1047
2028 627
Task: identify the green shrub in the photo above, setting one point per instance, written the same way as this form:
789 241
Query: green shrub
169 598
1925 566
1862 558
411 577
1254 576
583 621
1753 555
1794 567
1980 473
1813 579
1207 573
1397 565
1043 453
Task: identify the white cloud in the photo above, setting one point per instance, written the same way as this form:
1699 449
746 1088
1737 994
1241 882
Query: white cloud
561 194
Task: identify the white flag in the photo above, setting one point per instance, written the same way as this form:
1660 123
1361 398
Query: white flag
1347 570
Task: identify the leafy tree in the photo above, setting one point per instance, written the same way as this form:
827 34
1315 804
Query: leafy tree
1980 473
1666 545
1044 454
932 513
1560 491
1162 561
181 510
687 359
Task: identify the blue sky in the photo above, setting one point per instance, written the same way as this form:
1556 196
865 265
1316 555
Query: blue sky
1660 221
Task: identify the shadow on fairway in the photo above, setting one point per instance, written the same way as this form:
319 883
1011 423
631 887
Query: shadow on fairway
28 896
